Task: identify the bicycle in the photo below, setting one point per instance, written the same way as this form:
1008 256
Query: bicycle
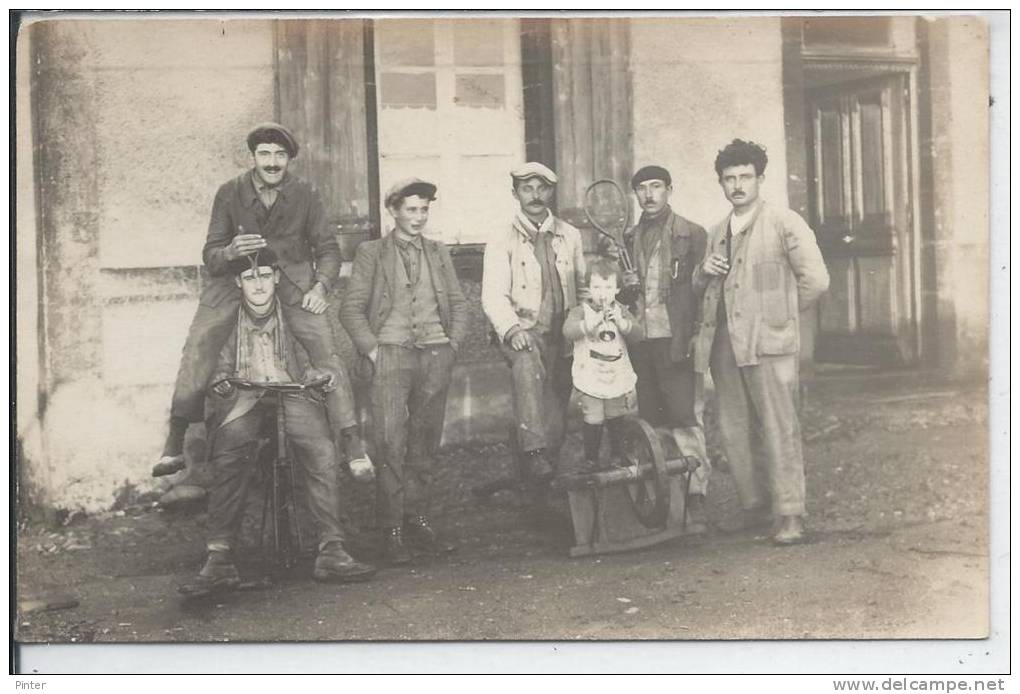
283 511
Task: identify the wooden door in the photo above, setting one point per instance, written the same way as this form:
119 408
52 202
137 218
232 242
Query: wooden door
861 206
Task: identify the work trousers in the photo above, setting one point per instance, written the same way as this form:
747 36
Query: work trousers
233 456
209 331
671 396
759 426
409 389
541 392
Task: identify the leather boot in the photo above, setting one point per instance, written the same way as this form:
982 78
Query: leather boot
537 466
335 565
421 534
218 574
791 531
395 551
172 459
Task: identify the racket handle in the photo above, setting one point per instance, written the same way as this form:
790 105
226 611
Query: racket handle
625 262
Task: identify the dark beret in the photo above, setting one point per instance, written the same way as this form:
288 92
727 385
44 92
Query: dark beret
273 133
651 173
266 256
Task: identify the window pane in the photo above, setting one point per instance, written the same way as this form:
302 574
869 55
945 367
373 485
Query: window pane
403 90
478 42
480 91
405 43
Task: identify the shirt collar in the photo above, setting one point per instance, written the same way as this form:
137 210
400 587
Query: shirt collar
404 243
258 186
264 324
548 225
658 221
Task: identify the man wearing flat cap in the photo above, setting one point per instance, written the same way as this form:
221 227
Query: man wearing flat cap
407 316
266 207
666 248
260 349
532 273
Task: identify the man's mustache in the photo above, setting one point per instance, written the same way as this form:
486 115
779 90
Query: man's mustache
273 169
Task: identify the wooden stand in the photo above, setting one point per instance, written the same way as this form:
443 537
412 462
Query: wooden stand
605 522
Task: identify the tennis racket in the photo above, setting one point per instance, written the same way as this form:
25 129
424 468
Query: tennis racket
608 210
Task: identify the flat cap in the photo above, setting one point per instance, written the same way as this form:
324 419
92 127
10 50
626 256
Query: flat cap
531 169
408 187
264 256
651 173
273 133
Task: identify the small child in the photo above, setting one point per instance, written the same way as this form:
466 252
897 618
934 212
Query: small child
602 372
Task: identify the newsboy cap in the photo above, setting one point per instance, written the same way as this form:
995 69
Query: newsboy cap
263 257
408 187
273 133
531 169
651 173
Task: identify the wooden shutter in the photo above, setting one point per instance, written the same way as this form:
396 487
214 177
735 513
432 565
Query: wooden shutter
321 96
592 104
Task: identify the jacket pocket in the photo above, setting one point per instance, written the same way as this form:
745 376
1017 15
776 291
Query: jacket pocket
770 285
777 340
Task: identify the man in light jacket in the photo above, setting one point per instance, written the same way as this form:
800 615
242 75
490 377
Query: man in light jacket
532 273
762 269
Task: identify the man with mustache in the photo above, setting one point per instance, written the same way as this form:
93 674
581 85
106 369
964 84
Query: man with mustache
532 273
266 207
260 349
761 269
666 247
406 314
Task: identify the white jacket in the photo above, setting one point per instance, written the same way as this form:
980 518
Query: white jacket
512 278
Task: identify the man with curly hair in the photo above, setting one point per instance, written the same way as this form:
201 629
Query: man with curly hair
761 269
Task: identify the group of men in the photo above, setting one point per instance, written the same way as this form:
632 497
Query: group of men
726 301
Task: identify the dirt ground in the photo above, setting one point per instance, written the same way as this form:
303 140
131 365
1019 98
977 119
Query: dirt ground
897 497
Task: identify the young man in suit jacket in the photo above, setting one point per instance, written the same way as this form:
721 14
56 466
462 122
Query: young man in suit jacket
407 316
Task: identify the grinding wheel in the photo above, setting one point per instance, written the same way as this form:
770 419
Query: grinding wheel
650 496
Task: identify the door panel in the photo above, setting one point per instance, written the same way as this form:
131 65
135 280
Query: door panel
860 203
838 306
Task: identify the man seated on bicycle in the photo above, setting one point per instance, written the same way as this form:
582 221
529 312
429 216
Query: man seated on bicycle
261 349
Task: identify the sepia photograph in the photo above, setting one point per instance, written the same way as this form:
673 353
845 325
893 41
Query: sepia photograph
500 327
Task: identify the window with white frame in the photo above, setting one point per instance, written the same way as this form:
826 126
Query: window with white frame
450 111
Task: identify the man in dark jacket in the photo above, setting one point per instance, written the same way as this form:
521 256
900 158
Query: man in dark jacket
260 349
266 207
406 314
665 248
